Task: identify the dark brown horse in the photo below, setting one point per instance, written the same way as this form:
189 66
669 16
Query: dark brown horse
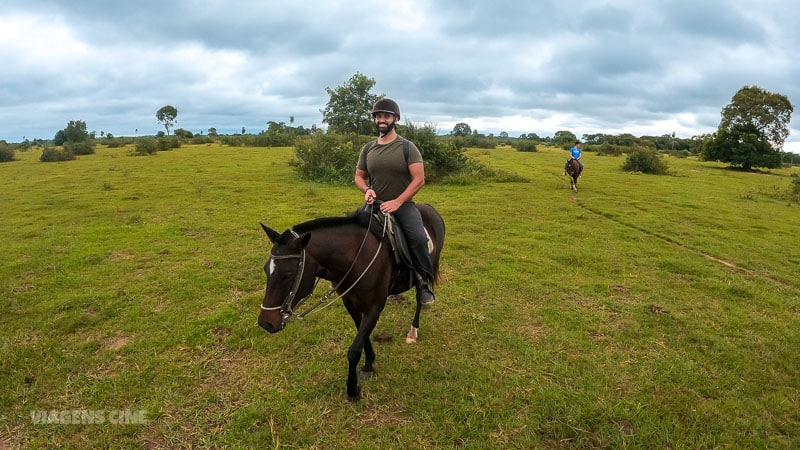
361 267
574 171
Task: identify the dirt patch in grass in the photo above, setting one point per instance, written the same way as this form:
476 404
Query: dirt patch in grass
391 415
120 255
117 342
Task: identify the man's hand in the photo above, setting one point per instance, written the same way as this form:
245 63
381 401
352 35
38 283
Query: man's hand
369 196
391 206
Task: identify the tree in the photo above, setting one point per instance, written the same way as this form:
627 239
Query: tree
60 138
564 139
212 132
752 131
461 129
167 115
349 109
768 113
741 145
76 131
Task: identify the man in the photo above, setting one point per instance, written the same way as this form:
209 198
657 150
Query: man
396 178
575 153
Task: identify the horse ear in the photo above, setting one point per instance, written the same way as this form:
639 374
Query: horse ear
273 235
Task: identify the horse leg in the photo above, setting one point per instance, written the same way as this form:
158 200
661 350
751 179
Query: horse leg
365 324
413 333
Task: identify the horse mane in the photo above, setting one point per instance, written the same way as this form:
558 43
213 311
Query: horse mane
325 222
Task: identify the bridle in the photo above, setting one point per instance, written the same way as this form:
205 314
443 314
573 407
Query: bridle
288 305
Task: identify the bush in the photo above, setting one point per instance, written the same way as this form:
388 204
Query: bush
326 157
145 146
442 157
794 189
6 152
201 139
79 148
52 154
524 145
609 149
645 160
168 142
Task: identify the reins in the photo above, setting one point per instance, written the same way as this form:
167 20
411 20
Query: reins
288 305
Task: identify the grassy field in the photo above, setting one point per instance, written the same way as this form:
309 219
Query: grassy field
643 312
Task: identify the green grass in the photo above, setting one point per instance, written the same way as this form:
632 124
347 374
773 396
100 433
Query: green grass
643 312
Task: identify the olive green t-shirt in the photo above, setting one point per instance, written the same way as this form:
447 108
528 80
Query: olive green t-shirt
386 165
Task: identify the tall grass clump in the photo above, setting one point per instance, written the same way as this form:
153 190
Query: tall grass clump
645 160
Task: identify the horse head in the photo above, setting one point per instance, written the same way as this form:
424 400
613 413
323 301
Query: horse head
285 269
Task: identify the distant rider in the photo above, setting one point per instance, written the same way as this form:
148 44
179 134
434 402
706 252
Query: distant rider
575 153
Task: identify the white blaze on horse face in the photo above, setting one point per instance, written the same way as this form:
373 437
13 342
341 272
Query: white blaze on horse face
271 266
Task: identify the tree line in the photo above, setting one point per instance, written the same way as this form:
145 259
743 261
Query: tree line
751 134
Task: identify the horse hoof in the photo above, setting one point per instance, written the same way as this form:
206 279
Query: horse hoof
412 336
365 375
356 397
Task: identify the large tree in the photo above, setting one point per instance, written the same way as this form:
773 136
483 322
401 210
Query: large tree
769 113
742 146
349 109
752 131
74 132
166 115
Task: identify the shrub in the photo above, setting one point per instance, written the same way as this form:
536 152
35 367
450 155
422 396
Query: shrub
6 152
609 149
443 157
326 157
168 142
524 145
201 139
52 154
184 134
794 189
145 146
645 160
114 142
79 148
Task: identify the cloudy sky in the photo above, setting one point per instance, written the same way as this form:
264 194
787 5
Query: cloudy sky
612 66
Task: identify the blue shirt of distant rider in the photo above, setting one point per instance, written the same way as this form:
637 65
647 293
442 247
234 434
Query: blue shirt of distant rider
575 153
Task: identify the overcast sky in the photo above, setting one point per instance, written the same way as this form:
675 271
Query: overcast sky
613 66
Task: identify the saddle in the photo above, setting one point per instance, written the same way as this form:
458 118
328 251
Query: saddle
370 216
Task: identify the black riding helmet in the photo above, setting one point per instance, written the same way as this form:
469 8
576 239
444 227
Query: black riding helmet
386 105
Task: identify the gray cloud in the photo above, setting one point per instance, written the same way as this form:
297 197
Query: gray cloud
613 66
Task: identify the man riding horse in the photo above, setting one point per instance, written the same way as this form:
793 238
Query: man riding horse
395 166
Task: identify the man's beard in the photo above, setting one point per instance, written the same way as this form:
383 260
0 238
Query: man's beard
386 130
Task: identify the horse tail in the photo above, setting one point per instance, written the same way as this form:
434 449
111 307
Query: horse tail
435 224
